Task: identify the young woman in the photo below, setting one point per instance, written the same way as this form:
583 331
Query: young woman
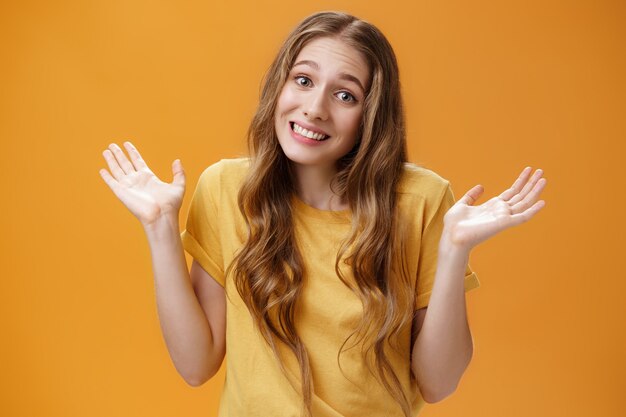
331 270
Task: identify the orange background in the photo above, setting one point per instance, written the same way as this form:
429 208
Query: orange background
489 86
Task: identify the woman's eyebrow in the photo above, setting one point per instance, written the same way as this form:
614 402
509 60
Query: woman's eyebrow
350 77
342 76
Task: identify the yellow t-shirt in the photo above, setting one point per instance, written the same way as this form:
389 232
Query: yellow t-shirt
327 311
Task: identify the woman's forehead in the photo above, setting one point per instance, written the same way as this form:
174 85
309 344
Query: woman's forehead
334 57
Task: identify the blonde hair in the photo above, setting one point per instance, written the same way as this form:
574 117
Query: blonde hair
268 271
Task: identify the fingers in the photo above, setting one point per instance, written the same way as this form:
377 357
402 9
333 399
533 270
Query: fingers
530 198
472 195
530 185
114 166
109 180
135 156
121 158
526 215
179 173
517 185
118 162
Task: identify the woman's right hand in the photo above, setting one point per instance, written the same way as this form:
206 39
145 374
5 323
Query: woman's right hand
145 195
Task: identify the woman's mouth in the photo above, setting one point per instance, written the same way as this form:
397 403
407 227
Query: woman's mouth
307 133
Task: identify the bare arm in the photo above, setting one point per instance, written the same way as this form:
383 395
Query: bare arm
191 308
443 347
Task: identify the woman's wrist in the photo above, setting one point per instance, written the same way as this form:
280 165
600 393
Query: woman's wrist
163 227
448 246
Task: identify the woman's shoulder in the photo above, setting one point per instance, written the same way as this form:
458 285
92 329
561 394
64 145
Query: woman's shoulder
417 180
230 170
230 165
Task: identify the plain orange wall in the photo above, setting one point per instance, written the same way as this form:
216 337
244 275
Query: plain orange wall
489 86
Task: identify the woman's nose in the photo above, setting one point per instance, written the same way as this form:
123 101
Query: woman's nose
316 107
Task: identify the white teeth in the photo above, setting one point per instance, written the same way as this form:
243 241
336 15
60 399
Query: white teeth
311 135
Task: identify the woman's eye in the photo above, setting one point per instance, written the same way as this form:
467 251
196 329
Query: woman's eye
303 81
346 97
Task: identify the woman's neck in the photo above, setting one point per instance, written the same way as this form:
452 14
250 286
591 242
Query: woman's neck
313 187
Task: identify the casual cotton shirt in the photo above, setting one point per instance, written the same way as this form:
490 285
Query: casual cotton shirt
327 311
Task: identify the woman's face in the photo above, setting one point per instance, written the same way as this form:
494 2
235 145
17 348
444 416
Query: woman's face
319 109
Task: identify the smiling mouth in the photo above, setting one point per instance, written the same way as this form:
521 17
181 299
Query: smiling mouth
307 133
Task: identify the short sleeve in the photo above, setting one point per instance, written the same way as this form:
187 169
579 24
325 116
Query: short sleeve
429 249
201 237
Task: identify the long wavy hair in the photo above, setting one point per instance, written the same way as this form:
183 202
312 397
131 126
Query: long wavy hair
269 270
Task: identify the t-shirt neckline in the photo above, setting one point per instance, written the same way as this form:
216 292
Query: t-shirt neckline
328 215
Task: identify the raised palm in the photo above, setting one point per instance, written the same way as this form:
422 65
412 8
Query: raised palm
467 225
142 192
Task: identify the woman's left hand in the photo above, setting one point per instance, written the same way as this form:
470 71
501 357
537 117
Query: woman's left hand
466 225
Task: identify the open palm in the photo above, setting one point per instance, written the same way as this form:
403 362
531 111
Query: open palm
142 192
468 225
